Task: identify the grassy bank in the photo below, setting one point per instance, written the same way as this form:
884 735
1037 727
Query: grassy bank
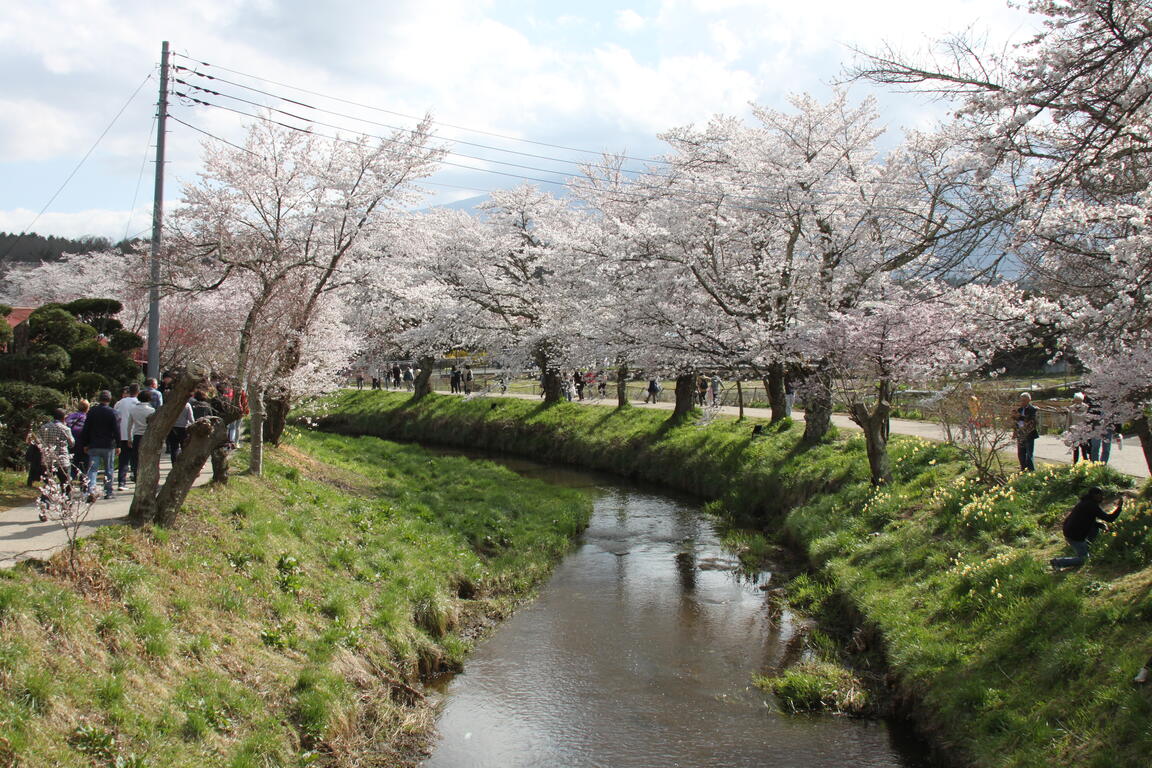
285 622
1004 662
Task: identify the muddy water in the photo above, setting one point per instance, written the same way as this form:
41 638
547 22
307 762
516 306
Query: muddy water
639 652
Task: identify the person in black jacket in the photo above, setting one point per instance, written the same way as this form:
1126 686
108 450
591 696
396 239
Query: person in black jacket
1083 525
100 440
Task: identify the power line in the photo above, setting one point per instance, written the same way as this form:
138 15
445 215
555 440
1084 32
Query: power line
411 117
683 195
389 126
211 135
75 170
340 127
629 182
140 176
197 73
364 135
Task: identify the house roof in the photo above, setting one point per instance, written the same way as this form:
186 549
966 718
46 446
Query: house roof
19 315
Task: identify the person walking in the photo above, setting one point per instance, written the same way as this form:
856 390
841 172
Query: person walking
98 441
454 381
1083 525
1077 416
653 390
467 379
138 424
154 393
1026 433
75 422
179 432
56 443
126 465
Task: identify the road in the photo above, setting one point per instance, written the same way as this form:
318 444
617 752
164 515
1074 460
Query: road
1129 459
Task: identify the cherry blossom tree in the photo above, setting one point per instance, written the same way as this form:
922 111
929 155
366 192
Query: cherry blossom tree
907 334
756 228
287 219
1069 115
506 273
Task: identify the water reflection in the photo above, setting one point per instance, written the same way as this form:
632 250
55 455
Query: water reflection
639 652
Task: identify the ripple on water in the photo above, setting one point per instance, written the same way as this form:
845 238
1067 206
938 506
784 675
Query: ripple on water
639 653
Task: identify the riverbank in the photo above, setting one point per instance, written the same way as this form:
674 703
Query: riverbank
1005 662
285 621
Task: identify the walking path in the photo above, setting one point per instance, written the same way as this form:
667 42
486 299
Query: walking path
1052 449
24 536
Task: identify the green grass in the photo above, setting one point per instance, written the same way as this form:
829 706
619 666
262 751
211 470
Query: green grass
283 622
1006 663
817 686
13 490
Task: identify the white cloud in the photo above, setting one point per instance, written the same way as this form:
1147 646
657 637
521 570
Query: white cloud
729 43
629 21
32 130
678 90
70 64
96 221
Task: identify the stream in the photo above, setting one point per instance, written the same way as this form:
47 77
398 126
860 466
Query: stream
639 651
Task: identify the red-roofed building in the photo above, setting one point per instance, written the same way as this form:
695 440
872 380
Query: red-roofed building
18 321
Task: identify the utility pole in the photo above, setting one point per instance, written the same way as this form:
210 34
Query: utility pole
157 221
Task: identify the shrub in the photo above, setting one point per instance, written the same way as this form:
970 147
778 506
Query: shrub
27 406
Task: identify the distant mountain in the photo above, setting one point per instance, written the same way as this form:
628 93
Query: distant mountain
467 204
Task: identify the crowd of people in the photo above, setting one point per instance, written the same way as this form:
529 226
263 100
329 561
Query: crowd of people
396 377
103 440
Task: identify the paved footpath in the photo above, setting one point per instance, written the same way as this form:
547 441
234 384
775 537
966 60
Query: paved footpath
1130 460
23 536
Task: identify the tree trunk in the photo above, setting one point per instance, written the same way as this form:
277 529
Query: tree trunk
221 463
553 386
876 442
228 412
423 384
203 436
740 400
143 508
818 407
1143 430
276 410
685 395
256 418
622 385
875 426
774 384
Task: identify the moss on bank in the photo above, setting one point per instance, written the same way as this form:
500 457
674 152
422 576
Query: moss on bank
1007 663
285 622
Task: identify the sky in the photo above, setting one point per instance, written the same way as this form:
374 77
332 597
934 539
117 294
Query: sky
557 81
